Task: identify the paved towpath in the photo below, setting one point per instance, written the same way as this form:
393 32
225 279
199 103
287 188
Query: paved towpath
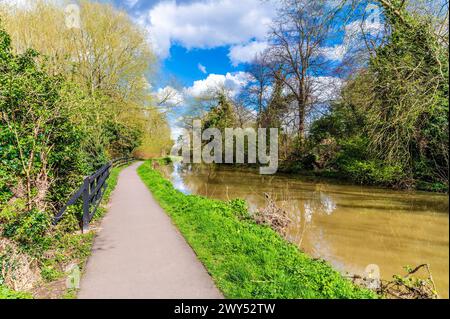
139 253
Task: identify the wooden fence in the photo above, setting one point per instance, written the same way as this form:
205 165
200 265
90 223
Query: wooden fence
92 192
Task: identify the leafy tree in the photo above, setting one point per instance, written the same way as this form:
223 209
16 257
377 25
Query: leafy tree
406 96
108 59
220 116
36 131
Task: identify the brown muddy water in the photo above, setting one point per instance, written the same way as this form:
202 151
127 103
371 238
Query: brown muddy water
349 226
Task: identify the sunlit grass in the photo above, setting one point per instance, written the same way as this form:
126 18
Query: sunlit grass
246 260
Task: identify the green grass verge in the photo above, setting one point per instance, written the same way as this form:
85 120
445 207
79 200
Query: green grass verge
6 293
246 260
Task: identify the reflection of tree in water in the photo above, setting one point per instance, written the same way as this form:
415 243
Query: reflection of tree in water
195 179
327 203
302 211
300 204
178 171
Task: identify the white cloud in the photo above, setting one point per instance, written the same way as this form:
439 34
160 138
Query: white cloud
326 88
202 68
206 24
335 53
169 96
27 4
246 53
232 82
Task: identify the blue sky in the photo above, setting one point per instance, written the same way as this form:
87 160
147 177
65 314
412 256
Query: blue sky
201 43
194 38
186 64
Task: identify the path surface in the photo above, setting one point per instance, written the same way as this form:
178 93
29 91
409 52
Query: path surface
139 253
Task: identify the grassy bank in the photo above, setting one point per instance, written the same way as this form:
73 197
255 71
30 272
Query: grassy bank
246 260
43 260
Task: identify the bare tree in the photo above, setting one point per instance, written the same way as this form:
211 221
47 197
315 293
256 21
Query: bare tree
256 94
298 35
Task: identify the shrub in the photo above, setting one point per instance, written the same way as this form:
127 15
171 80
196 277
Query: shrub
374 172
29 229
308 161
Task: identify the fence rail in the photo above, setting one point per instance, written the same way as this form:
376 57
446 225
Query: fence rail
91 192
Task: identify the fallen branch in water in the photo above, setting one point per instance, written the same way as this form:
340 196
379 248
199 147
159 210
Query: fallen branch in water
408 287
403 287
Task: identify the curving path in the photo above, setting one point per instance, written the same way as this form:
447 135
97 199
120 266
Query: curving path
139 253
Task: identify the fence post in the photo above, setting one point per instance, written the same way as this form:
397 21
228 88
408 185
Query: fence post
86 199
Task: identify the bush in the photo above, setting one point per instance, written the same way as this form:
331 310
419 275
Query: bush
374 172
49 273
29 229
354 162
308 161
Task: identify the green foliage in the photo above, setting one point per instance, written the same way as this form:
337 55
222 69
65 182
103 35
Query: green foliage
49 273
239 208
220 116
246 260
57 124
6 293
53 131
164 160
9 213
355 147
29 229
39 143
373 172
390 126
403 97
53 248
353 161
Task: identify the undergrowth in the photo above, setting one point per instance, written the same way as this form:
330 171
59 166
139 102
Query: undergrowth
50 251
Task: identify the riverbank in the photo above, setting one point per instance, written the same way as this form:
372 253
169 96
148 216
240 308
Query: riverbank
364 177
39 268
246 260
